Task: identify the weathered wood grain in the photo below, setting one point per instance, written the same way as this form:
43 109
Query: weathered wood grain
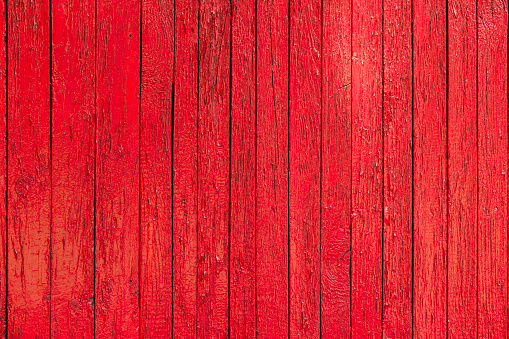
462 169
367 169
492 168
336 168
117 169
272 168
29 169
397 148
213 168
304 164
3 170
430 168
73 168
156 147
185 134
242 303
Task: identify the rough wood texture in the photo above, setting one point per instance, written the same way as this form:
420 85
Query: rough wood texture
117 169
367 169
430 169
397 146
462 169
73 168
156 147
29 169
336 168
492 168
304 164
185 134
3 171
272 169
243 171
213 168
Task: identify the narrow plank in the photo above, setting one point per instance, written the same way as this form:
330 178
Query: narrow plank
336 168
185 211
213 168
462 169
3 170
430 168
157 85
29 169
304 164
73 168
367 169
243 171
397 233
492 168
272 169
117 169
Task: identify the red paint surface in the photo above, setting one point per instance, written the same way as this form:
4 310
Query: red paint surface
242 306
213 169
397 148
492 168
253 168
304 167
367 170
462 170
336 172
156 182
73 169
29 169
272 258
430 169
117 256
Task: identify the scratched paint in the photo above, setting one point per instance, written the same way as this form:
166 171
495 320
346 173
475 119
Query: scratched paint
253 168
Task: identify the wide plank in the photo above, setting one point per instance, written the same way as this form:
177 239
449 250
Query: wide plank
73 168
117 169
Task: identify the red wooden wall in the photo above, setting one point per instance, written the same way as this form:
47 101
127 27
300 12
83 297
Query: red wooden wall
254 168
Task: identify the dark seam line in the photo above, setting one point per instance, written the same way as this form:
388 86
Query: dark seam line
6 41
197 169
413 152
288 169
95 162
172 173
256 165
321 159
51 158
477 159
139 177
351 163
230 175
383 177
447 166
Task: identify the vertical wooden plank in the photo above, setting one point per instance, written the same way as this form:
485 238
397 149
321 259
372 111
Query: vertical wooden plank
336 168
157 85
185 169
213 168
492 170
243 171
462 169
397 125
29 191
117 169
367 169
3 170
305 157
430 168
73 168
272 169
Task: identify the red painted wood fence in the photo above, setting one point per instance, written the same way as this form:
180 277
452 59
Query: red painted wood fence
254 168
